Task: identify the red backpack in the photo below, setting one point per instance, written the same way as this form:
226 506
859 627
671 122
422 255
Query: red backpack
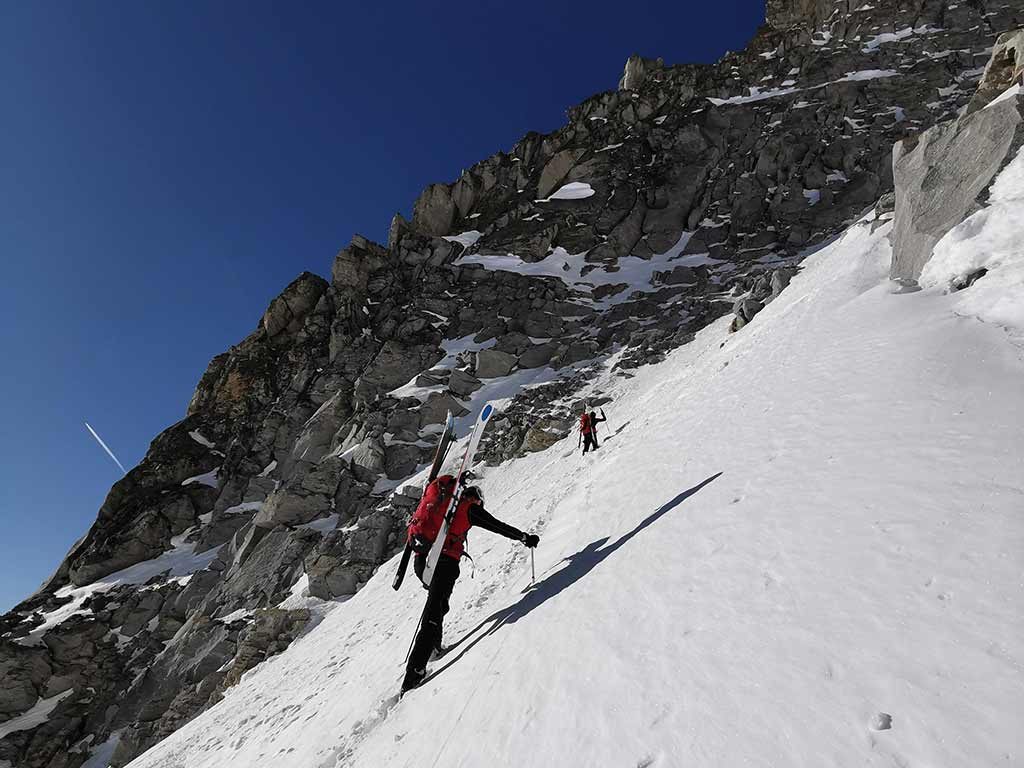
585 423
426 520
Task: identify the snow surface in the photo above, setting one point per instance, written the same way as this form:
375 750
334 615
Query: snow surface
867 74
574 190
452 349
756 94
895 37
634 272
33 717
789 537
245 506
465 239
196 435
207 478
989 239
101 754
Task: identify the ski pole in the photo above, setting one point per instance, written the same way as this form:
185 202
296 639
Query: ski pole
533 570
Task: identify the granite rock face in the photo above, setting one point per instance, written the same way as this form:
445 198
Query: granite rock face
943 175
282 486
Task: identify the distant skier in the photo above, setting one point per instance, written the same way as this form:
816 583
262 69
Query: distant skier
423 529
588 428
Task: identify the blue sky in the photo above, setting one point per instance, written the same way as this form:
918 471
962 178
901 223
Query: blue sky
167 168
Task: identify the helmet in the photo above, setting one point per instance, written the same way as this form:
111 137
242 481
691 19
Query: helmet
474 492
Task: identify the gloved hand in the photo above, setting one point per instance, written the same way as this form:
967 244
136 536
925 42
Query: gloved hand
531 540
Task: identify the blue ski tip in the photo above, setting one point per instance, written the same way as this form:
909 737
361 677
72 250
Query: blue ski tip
485 414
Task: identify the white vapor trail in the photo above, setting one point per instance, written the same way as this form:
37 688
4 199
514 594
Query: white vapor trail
103 445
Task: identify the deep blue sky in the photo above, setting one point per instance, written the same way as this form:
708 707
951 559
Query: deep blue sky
166 168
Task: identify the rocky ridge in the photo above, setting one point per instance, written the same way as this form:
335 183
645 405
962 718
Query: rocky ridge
690 192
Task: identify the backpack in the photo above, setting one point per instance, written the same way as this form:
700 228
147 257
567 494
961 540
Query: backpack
426 520
585 423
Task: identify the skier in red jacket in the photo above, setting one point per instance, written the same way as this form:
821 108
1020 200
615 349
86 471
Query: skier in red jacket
588 428
423 530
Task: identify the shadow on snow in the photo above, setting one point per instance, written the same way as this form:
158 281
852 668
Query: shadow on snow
579 565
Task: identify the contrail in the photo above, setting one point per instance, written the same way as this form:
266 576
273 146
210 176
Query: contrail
103 445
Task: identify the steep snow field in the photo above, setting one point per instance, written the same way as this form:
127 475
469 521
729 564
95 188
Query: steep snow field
800 545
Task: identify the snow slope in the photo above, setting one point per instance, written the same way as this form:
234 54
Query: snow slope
791 538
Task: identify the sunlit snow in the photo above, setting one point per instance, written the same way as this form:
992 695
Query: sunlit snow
574 190
797 545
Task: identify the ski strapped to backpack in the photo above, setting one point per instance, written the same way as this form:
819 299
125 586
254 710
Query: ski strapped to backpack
467 462
443 444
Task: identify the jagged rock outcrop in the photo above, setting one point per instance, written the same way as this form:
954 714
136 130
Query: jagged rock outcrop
943 175
689 192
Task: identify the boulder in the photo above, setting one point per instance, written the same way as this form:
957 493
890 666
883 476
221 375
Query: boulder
270 632
745 309
545 433
401 460
490 363
325 567
368 459
555 170
463 383
780 279
396 364
941 175
538 355
436 407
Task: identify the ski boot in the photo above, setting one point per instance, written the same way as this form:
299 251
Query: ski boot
413 677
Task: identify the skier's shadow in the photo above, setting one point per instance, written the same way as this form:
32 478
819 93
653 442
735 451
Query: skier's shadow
613 434
579 565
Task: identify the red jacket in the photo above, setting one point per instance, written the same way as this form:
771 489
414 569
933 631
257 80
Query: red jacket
585 425
426 520
429 515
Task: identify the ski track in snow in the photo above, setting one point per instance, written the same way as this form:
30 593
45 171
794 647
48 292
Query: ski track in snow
790 538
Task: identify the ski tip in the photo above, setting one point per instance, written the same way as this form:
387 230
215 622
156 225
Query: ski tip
485 414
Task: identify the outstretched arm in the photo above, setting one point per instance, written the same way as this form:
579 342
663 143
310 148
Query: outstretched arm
481 518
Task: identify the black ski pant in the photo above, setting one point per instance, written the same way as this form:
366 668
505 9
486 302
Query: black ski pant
441 586
589 441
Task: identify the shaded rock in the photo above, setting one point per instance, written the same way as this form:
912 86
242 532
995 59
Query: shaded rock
434 211
491 363
463 383
396 364
287 312
538 355
436 407
368 459
272 630
401 460
23 673
745 309
328 578
1005 67
544 434
780 279
555 170
146 609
